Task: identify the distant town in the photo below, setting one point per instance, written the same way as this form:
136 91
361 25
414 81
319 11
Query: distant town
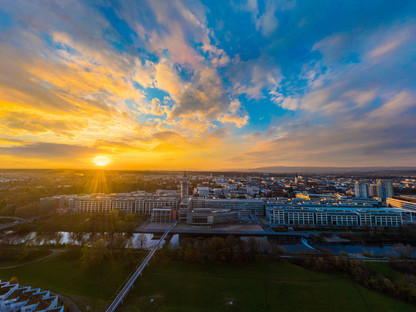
81 221
219 201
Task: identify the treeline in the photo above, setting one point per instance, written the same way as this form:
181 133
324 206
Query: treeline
85 249
94 250
22 200
24 210
404 288
220 250
404 234
404 266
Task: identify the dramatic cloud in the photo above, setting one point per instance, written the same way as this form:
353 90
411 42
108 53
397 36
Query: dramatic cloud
213 85
49 150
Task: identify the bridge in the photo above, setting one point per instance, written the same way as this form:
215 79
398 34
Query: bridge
129 285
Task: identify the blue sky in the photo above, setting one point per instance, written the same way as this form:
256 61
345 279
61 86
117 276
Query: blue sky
210 84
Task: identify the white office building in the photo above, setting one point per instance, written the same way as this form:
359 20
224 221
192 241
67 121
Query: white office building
333 216
361 190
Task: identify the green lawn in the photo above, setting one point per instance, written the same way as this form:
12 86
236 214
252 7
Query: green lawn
384 269
87 287
262 287
180 286
32 256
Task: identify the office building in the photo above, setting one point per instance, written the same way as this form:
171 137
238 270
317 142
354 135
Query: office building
290 215
361 190
162 215
206 217
384 189
184 187
255 206
372 190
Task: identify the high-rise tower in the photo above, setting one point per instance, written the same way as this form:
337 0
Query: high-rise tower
372 190
361 190
384 188
184 186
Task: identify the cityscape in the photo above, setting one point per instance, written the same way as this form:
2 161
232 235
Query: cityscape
364 218
191 155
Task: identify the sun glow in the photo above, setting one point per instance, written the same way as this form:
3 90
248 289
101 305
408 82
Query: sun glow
101 161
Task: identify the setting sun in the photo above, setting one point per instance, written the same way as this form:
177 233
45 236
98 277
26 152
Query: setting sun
101 161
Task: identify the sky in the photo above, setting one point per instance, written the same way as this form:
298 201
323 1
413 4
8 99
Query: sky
207 85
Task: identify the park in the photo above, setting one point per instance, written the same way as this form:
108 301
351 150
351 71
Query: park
182 286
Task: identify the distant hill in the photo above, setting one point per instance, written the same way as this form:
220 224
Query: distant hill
337 170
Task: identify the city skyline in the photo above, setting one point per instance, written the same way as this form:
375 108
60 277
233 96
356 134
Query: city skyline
205 85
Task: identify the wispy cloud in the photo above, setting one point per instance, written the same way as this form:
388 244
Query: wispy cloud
173 83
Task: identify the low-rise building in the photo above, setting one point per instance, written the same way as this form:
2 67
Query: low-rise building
15 297
162 215
206 217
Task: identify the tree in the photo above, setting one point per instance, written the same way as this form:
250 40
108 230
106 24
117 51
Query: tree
231 242
94 255
253 245
129 217
277 250
27 211
116 240
120 225
14 280
217 243
263 245
57 238
404 251
188 253
141 240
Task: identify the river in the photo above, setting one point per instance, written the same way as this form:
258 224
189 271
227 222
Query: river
136 240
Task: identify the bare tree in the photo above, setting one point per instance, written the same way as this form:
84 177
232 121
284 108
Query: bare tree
404 251
141 240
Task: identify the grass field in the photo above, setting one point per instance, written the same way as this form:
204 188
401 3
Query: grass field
87 287
384 269
180 286
262 287
32 256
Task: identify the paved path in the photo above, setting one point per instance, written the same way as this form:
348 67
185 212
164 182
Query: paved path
54 252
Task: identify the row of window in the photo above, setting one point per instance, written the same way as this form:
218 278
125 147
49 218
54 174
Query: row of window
290 218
